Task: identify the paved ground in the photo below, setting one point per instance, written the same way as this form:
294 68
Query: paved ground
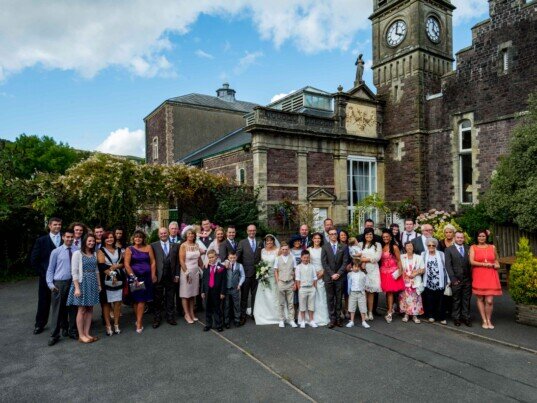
403 362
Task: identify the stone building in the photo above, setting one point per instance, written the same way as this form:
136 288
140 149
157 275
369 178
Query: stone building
430 133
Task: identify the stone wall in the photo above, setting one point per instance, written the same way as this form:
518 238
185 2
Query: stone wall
282 166
229 163
155 126
320 169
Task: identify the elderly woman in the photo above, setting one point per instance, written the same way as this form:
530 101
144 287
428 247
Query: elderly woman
485 279
435 280
410 302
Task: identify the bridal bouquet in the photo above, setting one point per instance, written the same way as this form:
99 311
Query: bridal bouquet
262 273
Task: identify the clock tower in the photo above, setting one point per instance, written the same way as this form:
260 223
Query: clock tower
412 49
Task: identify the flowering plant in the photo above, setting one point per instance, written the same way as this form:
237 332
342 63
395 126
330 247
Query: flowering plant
439 220
262 273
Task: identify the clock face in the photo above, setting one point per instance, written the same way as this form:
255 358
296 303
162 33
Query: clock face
396 33
433 29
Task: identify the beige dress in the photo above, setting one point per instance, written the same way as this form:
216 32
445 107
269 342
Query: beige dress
192 289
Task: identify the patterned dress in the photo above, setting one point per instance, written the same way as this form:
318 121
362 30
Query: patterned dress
89 287
410 302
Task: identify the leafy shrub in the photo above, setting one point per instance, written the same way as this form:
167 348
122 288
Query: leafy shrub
523 275
474 218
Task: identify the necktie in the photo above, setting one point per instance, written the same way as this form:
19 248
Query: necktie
461 251
76 242
253 245
57 240
166 248
334 248
232 242
407 237
172 240
70 253
211 278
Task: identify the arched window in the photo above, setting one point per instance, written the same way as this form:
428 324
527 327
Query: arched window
155 148
466 185
241 176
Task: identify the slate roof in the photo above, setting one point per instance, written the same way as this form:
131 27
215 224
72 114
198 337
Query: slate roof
214 102
227 142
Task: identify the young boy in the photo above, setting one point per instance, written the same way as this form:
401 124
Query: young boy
306 282
234 279
296 250
356 288
213 290
284 274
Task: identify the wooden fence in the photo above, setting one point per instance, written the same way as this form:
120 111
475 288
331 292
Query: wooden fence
506 239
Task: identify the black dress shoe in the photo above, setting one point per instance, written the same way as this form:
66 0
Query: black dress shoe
38 330
52 341
468 322
206 328
331 325
73 336
220 329
172 322
227 325
457 322
156 324
65 333
237 324
242 322
339 323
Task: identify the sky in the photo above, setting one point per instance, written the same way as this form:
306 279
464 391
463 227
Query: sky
87 72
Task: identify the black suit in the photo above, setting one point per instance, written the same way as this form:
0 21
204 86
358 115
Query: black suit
418 245
248 258
226 247
460 274
39 259
164 288
213 300
334 264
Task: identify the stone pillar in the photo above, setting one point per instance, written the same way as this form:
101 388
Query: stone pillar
259 157
339 211
302 176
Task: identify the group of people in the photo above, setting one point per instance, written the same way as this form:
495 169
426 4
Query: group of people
319 279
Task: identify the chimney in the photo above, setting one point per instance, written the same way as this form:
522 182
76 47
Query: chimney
225 93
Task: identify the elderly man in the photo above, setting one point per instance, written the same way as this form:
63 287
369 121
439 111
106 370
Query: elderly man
173 229
420 243
327 224
305 239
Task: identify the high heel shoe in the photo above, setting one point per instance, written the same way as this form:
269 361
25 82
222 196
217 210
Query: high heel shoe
116 329
189 321
139 331
109 330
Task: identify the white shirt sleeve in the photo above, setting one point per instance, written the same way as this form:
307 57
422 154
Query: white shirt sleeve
297 272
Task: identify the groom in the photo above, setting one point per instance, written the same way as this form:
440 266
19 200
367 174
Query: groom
249 255
334 257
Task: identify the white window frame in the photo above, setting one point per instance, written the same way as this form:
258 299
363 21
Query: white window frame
154 148
373 185
464 152
238 179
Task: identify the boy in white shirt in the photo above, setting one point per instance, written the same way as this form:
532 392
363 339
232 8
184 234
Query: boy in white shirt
306 282
356 288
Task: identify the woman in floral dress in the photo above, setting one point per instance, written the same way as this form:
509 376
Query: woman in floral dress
410 303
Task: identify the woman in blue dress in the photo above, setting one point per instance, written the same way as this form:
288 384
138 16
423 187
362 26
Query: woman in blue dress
140 266
85 287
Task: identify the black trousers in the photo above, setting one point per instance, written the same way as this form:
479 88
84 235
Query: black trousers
62 316
213 308
232 306
43 302
433 304
163 298
462 295
249 287
334 293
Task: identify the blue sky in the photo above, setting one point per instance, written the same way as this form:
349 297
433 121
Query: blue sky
88 75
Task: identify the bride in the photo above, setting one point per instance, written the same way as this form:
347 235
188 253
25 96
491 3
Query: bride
266 310
320 316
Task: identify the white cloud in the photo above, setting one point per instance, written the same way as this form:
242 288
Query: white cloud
124 142
277 97
469 9
89 36
246 61
203 55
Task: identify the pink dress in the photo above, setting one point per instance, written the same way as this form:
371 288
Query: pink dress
190 289
388 264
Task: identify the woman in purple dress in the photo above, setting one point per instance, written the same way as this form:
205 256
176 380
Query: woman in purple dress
140 266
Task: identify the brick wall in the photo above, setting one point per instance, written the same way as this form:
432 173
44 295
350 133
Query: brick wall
439 173
155 126
320 169
226 164
282 166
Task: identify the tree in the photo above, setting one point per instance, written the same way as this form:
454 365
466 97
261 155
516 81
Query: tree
512 196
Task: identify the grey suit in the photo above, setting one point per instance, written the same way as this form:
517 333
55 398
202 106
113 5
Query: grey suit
248 258
334 264
460 274
164 288
418 245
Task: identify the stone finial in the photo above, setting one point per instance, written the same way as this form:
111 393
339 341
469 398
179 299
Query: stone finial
339 88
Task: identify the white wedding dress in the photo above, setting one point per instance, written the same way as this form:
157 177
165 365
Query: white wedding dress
266 306
320 315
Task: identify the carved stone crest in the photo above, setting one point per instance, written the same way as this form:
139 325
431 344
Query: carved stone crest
360 119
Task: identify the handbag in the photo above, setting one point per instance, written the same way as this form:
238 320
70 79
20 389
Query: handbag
418 284
137 286
396 274
448 292
109 281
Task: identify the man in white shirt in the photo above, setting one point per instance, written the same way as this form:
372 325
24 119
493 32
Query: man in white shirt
78 230
174 232
408 234
420 242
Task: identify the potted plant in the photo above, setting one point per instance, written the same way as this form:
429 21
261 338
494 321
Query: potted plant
523 284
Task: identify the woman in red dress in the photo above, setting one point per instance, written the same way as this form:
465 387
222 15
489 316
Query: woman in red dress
391 279
485 278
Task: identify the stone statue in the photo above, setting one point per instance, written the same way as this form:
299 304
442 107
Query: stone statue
359 70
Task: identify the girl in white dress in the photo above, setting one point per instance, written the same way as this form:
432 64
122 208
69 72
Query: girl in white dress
266 308
320 315
370 253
